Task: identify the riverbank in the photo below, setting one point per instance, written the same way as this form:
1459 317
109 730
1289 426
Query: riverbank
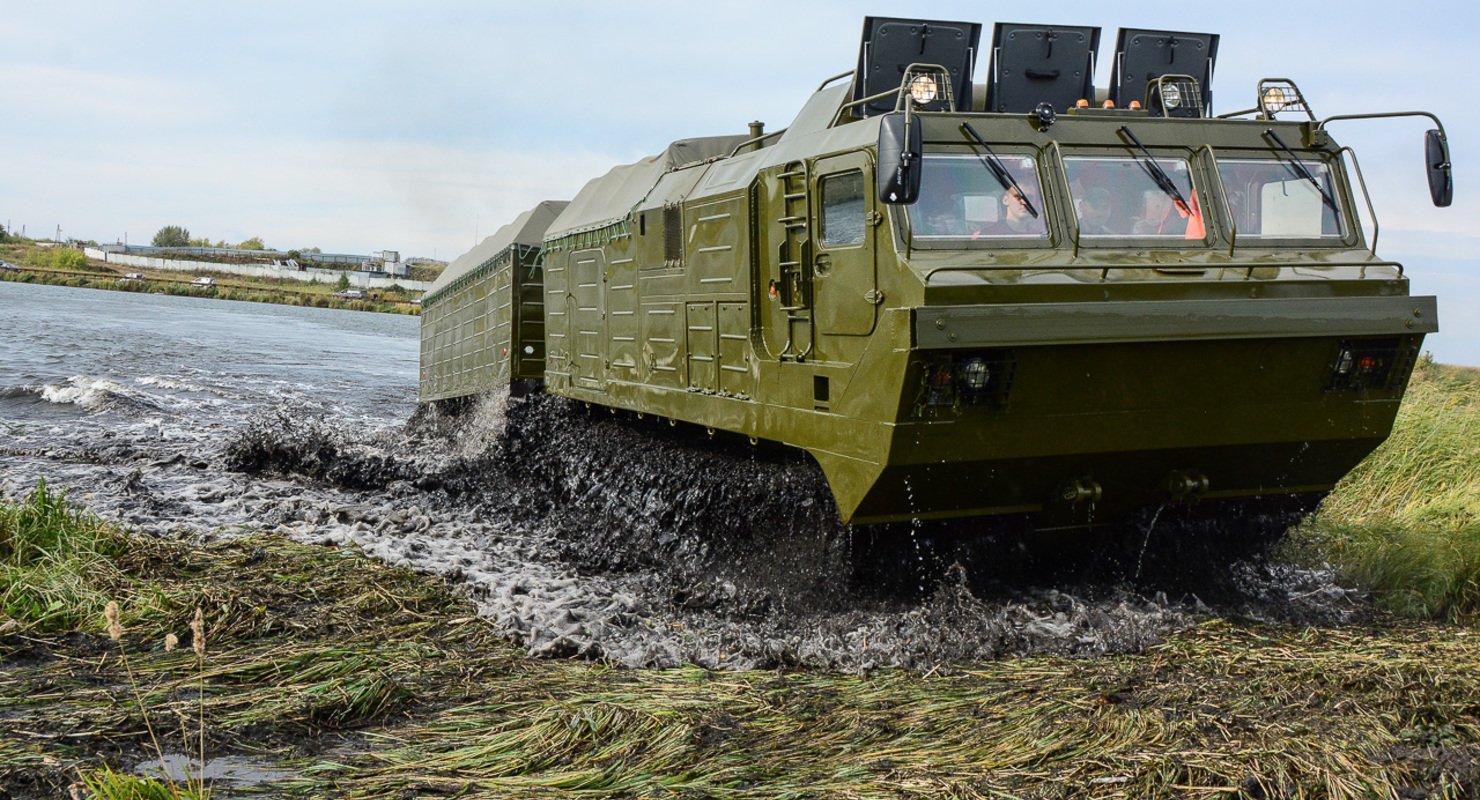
35 265
325 673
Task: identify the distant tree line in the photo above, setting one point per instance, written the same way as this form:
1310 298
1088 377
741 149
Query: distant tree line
179 236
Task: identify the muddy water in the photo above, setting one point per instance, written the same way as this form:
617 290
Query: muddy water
579 534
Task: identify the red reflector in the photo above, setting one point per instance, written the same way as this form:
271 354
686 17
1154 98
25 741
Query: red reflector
1367 362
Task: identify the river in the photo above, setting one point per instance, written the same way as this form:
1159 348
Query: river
197 418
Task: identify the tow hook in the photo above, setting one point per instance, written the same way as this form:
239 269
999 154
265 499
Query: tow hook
1185 484
1080 490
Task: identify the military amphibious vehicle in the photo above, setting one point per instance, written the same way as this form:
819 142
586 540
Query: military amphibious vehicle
1016 295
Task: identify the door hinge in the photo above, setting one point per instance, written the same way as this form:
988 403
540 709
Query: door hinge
873 296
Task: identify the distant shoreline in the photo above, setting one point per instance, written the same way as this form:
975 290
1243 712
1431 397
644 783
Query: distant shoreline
222 286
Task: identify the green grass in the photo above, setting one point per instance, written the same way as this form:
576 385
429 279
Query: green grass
364 680
1406 522
105 784
58 565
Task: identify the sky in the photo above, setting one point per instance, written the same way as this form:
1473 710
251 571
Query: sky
357 127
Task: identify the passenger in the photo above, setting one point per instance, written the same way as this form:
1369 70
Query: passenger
939 216
1094 213
1158 218
1166 217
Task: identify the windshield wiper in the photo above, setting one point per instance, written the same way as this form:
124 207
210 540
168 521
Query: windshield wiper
1158 175
999 171
1299 169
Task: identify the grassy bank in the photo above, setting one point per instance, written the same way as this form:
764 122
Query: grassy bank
68 267
339 676
1406 522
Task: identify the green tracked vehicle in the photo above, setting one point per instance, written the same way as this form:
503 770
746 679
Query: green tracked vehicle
1024 296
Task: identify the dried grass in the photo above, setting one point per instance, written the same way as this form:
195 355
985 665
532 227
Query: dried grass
311 646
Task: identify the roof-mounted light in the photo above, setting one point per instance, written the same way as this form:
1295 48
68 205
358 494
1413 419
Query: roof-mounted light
1275 96
1171 96
1280 94
1274 99
924 89
1175 96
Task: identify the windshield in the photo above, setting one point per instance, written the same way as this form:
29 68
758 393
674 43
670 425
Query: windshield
1269 199
1120 196
961 199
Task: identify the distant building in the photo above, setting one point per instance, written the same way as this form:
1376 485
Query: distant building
391 264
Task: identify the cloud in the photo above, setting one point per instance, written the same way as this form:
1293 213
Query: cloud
340 195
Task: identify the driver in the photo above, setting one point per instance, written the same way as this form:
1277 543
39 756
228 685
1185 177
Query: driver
1016 219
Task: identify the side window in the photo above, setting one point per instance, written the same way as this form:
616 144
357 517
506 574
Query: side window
843 208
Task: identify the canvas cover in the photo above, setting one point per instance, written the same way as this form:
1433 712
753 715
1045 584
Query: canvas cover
608 198
527 229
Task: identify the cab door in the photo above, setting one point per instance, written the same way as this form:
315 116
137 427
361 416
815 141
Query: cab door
843 269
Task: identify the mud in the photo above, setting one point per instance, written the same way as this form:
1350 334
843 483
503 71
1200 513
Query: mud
593 535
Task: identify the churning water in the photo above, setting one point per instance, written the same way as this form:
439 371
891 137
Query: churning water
577 533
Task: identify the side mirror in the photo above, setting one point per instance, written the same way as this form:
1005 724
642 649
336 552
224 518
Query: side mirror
1436 160
899 159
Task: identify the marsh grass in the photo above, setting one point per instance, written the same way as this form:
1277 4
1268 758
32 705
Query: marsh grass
106 784
1406 522
58 563
368 681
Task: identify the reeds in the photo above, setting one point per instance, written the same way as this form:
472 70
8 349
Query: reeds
311 646
1406 522
57 564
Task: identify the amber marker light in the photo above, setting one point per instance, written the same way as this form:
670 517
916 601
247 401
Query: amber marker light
1081 103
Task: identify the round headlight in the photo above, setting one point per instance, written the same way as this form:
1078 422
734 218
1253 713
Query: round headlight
1171 96
1275 99
974 374
923 89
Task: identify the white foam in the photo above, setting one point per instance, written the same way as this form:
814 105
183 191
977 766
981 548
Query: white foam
163 382
94 394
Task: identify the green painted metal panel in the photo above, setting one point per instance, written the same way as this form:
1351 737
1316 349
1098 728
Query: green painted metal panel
1156 320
